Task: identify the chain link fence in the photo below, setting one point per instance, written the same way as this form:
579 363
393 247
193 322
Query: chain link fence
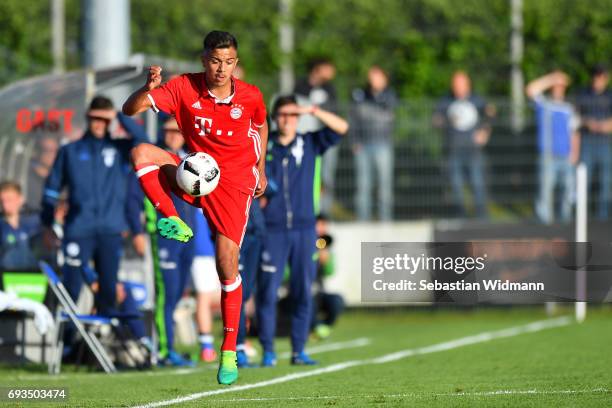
421 177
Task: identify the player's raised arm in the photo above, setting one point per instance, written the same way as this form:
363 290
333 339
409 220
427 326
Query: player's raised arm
139 101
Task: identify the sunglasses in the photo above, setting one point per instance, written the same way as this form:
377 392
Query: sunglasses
281 114
92 117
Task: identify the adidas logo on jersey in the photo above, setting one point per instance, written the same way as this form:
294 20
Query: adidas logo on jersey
197 105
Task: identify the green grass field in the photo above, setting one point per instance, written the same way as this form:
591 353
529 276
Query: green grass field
565 365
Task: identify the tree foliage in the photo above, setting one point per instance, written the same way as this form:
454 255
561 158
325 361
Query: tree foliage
420 42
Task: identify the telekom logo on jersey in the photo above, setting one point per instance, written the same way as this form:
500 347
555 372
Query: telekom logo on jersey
205 126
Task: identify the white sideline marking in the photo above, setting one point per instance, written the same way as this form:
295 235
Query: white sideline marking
341 345
424 395
464 341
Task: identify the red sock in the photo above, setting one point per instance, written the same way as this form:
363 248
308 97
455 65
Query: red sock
231 299
156 188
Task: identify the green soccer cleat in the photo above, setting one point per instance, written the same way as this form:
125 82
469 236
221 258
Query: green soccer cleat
228 370
174 228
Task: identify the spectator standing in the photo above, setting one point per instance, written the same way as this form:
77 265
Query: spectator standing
373 117
558 144
317 89
465 118
595 108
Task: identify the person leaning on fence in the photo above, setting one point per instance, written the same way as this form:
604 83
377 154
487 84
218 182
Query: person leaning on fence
465 118
558 144
94 171
317 89
595 108
372 124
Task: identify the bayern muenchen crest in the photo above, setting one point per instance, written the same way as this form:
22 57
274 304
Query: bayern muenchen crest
236 111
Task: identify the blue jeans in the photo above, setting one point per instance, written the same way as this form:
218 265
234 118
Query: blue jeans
596 154
328 178
473 161
381 155
552 171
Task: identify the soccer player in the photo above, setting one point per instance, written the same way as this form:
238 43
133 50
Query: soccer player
290 222
226 118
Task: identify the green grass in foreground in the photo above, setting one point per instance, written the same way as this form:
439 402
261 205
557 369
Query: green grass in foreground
563 366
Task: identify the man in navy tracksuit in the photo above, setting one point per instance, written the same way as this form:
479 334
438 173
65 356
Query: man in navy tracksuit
94 170
290 222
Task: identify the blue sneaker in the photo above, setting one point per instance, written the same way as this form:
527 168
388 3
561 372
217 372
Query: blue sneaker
174 359
269 359
302 359
242 359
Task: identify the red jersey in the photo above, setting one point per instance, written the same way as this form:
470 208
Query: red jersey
227 129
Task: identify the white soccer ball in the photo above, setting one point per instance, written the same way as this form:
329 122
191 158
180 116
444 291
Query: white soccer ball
198 174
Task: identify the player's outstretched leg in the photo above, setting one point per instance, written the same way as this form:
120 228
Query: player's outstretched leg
174 228
147 160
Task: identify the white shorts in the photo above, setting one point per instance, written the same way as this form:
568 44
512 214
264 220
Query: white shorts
204 274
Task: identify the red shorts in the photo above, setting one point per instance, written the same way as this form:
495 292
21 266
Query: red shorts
226 208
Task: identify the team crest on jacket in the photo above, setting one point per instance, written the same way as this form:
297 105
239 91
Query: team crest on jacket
236 111
109 154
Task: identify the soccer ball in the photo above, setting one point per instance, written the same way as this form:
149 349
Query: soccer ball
198 174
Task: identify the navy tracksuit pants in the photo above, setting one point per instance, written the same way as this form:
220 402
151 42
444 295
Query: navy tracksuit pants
175 259
250 253
105 250
295 248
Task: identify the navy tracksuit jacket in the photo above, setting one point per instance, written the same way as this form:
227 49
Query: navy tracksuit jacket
290 239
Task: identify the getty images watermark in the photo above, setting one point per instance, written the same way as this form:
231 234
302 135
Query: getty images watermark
483 272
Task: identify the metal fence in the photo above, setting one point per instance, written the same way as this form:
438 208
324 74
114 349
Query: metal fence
421 183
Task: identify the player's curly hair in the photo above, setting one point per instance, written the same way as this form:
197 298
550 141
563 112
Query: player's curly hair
219 39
